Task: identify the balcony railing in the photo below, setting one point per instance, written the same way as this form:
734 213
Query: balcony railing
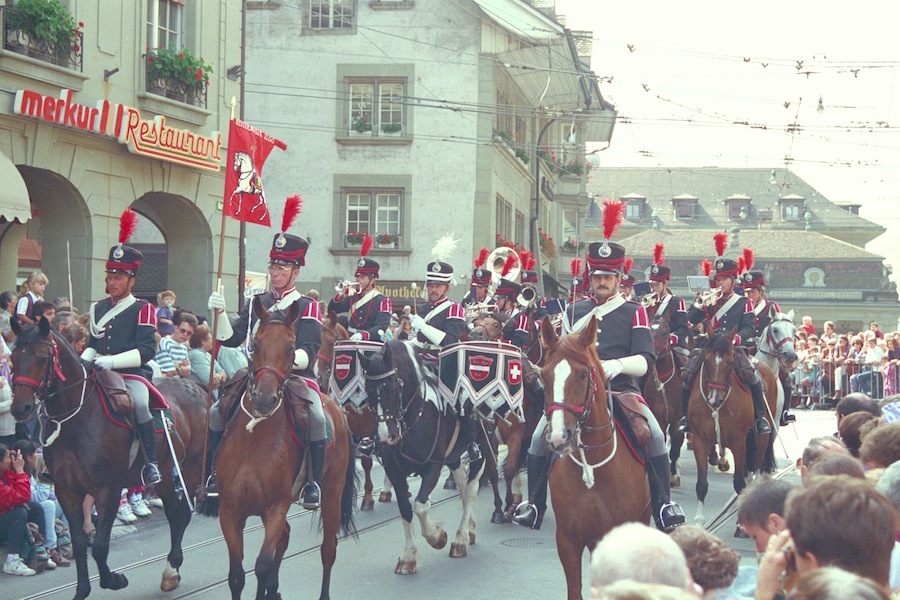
175 89
68 56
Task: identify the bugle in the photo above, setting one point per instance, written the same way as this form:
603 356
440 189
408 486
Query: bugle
649 300
528 296
347 288
707 299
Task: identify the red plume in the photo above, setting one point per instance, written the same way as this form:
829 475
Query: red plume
628 263
482 258
291 209
613 211
742 266
706 265
366 245
511 261
532 262
575 267
749 258
127 225
658 254
721 240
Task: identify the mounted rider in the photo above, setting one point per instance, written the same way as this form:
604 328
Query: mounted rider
123 337
668 304
517 331
287 255
625 348
754 283
579 289
479 291
537 310
626 287
730 312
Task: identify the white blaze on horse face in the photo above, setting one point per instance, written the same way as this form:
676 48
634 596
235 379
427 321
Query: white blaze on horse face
383 434
561 373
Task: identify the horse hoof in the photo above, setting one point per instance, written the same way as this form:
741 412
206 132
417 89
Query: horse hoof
441 541
675 481
385 497
724 466
171 578
740 533
368 504
405 567
115 581
457 550
498 519
450 484
471 538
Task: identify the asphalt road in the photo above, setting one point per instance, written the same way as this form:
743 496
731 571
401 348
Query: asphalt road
506 562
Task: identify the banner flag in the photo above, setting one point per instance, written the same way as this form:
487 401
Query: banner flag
248 148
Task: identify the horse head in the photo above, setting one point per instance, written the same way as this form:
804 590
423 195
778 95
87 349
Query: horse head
384 389
718 368
574 380
659 332
332 331
487 327
779 338
273 356
37 366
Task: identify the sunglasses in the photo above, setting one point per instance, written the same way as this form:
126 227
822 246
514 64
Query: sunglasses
186 331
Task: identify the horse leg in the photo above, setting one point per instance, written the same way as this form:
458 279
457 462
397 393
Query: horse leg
406 564
493 473
368 502
266 568
432 531
179 515
107 503
676 439
72 507
333 485
233 530
468 488
511 466
570 553
280 549
701 454
385 495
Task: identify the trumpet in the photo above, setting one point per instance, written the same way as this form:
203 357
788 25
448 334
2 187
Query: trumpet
708 298
474 311
347 288
649 300
528 296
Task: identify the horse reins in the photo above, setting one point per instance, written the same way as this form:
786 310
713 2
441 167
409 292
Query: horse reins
251 389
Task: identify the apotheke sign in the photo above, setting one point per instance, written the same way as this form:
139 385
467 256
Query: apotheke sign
152 138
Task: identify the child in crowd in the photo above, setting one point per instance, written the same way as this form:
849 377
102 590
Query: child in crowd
31 292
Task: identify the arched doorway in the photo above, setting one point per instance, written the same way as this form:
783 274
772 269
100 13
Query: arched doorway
178 250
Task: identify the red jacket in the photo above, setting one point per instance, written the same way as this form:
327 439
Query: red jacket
15 489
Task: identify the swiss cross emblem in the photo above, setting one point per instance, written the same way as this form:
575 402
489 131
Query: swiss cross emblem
480 367
514 372
342 365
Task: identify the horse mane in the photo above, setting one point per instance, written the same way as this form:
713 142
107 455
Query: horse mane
720 344
498 317
32 335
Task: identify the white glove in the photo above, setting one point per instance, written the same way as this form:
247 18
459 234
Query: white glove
356 337
88 355
417 322
216 301
612 368
301 359
104 362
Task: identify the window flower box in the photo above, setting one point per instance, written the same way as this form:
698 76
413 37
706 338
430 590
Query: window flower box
392 129
387 240
45 30
178 75
354 238
361 127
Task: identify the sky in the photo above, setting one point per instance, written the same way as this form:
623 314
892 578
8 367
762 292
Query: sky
738 85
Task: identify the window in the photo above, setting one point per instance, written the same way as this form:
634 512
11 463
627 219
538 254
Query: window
504 217
814 277
376 108
738 210
685 210
569 224
791 211
520 230
373 212
164 23
633 209
331 14
505 119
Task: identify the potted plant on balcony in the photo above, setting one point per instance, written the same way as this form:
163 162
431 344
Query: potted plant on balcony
45 28
361 125
570 245
393 128
354 238
548 247
387 240
176 74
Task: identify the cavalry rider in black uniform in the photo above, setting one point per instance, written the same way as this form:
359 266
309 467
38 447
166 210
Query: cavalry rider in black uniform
667 303
626 350
123 339
443 323
579 289
626 288
370 311
478 294
731 311
287 255
516 329
754 283
529 277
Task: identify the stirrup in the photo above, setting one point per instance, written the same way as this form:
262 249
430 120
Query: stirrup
212 491
787 417
150 475
762 426
670 516
683 425
527 516
311 496
474 452
366 447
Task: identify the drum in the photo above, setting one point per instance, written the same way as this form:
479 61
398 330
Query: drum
486 376
348 383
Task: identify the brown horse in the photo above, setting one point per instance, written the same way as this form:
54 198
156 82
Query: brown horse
720 413
362 421
591 447
662 391
88 454
257 465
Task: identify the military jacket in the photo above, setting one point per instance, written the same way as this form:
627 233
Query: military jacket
121 326
370 315
516 329
673 308
763 314
451 320
735 312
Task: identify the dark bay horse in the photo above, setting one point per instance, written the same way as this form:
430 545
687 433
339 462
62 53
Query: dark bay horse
415 435
362 422
720 413
597 483
662 391
257 465
88 454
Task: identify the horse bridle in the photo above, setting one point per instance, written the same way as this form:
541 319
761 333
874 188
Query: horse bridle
281 377
770 339
381 380
725 387
40 387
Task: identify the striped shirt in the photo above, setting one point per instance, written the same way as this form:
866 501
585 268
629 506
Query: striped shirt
170 354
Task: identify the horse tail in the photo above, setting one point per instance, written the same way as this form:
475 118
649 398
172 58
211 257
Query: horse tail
348 498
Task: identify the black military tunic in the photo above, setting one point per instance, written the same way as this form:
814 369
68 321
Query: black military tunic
308 327
450 320
516 330
763 316
738 315
370 318
623 329
675 312
133 327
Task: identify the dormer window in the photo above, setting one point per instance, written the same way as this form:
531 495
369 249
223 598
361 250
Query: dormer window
792 207
634 206
738 207
685 207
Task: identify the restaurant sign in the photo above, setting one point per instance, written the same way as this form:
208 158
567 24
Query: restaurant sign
147 137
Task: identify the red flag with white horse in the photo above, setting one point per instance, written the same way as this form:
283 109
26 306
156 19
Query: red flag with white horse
248 149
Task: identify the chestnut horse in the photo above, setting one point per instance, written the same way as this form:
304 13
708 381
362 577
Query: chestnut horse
720 413
88 454
362 422
662 391
257 464
597 483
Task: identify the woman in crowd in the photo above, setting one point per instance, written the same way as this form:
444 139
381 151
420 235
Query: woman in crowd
7 302
839 357
889 367
31 292
41 497
15 491
200 358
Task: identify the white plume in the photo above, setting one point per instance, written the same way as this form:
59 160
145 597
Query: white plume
444 248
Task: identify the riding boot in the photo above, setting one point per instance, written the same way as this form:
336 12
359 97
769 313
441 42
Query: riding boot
215 438
527 513
759 408
311 495
468 427
785 377
147 434
666 514
685 398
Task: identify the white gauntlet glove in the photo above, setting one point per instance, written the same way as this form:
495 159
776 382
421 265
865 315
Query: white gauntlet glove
216 301
301 359
612 368
417 322
104 362
356 337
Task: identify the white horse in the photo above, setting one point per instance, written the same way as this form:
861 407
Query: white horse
775 347
248 183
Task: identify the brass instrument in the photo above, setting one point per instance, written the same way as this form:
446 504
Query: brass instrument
347 288
649 300
495 262
528 296
707 299
474 311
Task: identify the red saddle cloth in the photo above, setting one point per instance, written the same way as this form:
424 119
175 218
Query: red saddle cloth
157 400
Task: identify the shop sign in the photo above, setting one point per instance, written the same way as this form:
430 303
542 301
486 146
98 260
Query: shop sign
401 293
147 137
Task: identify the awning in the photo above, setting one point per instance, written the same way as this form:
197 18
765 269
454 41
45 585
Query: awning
520 19
546 75
14 201
596 125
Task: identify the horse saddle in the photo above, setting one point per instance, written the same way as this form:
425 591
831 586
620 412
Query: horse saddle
298 392
113 384
628 414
